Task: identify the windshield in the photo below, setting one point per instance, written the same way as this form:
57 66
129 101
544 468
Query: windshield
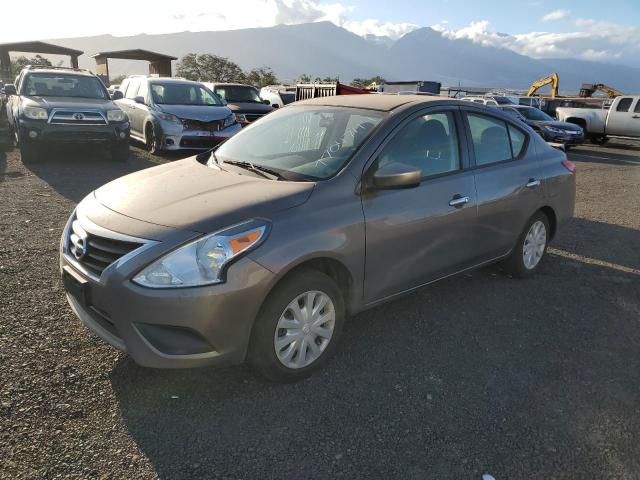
535 114
64 85
238 93
183 94
302 142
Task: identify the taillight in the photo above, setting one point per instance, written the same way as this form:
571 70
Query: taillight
569 165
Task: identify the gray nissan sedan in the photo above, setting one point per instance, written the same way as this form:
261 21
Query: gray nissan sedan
259 249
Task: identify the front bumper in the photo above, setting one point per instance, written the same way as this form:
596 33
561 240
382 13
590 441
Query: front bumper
168 328
176 137
37 132
565 138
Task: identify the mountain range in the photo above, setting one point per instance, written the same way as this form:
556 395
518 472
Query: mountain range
324 49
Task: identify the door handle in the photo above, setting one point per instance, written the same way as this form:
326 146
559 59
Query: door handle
533 183
458 201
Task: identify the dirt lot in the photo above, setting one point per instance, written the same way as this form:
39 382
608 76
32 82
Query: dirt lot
478 374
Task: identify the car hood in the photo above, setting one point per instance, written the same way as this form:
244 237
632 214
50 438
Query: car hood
202 113
249 107
189 195
563 125
69 102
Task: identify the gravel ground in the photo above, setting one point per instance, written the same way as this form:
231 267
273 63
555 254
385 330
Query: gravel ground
535 378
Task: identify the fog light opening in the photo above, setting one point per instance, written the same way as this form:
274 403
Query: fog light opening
123 135
33 134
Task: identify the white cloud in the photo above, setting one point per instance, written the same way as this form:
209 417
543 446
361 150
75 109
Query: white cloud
556 15
376 27
593 40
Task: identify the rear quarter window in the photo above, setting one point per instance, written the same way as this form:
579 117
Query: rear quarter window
494 140
624 104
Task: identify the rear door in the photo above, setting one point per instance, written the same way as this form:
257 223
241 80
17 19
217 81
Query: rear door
415 235
507 178
624 118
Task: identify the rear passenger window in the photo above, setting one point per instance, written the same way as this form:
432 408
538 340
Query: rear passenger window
518 139
491 141
637 107
429 143
624 105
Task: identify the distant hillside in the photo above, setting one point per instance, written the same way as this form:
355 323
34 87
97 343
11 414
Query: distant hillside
324 49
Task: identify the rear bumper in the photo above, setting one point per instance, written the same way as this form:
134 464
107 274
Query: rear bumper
42 133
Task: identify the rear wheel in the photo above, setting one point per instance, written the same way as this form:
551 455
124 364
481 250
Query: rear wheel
298 327
531 247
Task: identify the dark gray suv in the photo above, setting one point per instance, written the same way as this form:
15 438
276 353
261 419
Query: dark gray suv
259 249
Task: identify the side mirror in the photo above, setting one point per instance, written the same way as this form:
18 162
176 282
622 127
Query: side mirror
266 102
396 175
117 95
9 89
139 99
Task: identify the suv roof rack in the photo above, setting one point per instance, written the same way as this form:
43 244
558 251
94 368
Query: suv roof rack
51 67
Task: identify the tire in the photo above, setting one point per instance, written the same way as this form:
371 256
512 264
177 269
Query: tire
277 319
29 153
599 139
150 139
520 265
120 153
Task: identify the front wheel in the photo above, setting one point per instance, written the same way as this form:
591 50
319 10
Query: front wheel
28 153
531 247
151 139
298 327
599 139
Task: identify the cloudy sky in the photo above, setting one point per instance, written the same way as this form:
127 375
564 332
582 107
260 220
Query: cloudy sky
539 28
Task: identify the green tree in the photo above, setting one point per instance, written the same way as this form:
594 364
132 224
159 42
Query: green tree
304 78
18 63
365 82
207 68
261 77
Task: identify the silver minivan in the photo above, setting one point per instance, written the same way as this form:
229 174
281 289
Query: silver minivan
174 114
260 248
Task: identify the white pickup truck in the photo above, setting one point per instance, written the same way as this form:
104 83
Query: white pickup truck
621 119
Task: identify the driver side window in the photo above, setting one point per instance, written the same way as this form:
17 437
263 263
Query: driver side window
428 143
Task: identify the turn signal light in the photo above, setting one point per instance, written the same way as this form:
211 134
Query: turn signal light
246 240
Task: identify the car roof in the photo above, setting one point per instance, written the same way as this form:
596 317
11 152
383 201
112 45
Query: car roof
230 84
375 101
169 80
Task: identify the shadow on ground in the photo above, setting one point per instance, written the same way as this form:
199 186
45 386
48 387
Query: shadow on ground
76 172
478 373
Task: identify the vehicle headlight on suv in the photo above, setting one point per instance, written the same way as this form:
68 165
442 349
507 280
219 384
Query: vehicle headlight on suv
230 120
116 116
554 129
168 117
241 118
35 113
203 261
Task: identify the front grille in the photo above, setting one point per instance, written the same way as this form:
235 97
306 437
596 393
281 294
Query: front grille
77 117
252 117
80 137
95 253
213 126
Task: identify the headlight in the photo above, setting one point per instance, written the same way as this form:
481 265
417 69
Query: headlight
554 129
35 113
241 118
230 120
169 118
203 261
116 116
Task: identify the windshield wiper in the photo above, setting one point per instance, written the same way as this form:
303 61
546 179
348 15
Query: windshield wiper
265 172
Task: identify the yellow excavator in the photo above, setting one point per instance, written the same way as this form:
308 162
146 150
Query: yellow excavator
552 80
588 89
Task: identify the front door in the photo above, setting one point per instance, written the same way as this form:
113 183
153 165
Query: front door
624 119
415 235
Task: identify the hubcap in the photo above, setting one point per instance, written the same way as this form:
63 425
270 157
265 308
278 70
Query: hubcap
534 244
304 329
